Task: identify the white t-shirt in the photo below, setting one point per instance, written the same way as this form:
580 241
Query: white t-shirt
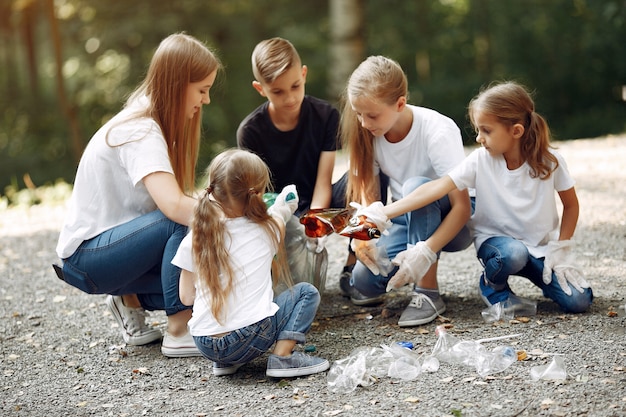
432 148
512 203
108 189
251 254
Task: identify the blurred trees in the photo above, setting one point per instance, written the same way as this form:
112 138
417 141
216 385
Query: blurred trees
68 65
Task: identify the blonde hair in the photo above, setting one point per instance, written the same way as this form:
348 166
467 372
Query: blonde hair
237 180
179 60
273 57
379 79
511 104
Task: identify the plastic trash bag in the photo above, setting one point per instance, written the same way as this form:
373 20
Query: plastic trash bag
305 263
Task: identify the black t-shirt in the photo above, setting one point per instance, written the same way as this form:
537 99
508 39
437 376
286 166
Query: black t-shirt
292 156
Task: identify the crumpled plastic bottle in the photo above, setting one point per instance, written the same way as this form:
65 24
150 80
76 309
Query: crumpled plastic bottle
365 365
451 350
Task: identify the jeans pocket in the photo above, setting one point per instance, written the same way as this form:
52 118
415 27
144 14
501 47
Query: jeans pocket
79 279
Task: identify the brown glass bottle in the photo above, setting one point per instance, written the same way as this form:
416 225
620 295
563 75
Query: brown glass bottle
322 222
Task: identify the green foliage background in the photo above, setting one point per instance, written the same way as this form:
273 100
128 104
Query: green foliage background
571 52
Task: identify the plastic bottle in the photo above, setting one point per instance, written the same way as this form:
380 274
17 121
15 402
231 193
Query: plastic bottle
322 222
472 353
495 361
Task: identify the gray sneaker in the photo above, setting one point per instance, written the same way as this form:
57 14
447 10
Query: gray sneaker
421 310
132 322
354 295
297 364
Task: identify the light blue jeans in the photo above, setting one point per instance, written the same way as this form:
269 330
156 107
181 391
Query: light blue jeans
409 228
132 258
297 309
503 256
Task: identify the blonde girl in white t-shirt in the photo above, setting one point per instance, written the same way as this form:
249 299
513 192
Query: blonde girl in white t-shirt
133 197
383 134
226 263
516 229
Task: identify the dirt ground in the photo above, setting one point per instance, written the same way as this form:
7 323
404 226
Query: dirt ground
61 352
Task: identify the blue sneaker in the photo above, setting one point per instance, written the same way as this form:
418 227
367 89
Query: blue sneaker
296 364
492 296
512 304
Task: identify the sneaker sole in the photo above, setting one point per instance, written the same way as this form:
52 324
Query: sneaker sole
226 371
182 352
294 372
368 301
145 339
426 320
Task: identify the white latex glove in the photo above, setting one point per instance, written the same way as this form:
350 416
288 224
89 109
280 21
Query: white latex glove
316 244
366 252
285 204
374 213
414 263
561 261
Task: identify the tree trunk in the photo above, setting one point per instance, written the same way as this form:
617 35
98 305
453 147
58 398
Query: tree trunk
347 43
66 107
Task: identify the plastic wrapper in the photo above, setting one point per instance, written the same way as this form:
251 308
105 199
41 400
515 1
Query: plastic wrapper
509 309
555 370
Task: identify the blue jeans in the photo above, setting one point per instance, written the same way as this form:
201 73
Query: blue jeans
503 256
409 228
132 258
297 309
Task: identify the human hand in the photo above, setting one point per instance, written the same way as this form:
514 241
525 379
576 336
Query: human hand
413 264
285 204
374 213
560 261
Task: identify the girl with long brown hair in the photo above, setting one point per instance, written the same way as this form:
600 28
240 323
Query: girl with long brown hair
133 196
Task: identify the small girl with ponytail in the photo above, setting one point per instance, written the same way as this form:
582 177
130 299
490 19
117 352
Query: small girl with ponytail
228 259
515 223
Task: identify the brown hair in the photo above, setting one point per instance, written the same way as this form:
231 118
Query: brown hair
511 103
179 60
271 58
237 180
382 80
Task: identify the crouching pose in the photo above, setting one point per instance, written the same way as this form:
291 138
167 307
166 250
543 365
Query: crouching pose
226 263
515 223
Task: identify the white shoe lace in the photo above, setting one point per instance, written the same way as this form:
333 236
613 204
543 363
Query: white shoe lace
418 300
134 320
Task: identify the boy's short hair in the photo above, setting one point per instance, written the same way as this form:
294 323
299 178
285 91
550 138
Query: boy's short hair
271 58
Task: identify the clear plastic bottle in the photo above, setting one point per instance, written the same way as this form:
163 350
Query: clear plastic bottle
495 361
472 353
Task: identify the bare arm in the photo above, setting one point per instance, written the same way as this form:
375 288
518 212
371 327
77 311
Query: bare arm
186 287
422 196
570 213
322 194
168 197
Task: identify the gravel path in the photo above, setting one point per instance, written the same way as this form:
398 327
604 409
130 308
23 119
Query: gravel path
61 353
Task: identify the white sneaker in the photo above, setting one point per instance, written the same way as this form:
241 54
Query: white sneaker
132 322
179 347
